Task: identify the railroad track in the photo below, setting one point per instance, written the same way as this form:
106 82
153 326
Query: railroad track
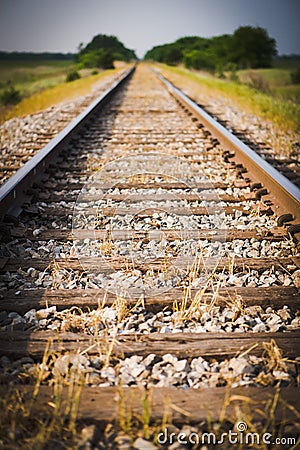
150 270
22 138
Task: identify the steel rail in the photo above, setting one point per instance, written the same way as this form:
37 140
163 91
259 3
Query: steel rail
12 193
286 194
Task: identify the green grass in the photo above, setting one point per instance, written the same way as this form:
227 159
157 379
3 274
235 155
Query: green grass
30 77
27 71
282 112
53 95
291 93
274 76
275 81
43 83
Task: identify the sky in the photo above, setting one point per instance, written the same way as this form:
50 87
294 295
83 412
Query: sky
61 25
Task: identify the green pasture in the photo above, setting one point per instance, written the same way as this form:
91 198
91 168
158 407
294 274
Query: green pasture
276 82
280 110
30 77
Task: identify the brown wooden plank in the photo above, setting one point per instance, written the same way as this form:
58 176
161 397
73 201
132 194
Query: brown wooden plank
276 234
132 198
145 212
108 265
276 297
103 405
183 345
205 185
151 184
140 185
165 185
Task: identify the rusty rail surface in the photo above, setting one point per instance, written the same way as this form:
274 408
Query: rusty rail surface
283 190
13 192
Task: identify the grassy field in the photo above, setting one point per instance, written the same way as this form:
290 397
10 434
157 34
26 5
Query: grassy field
276 81
30 77
282 112
42 84
266 92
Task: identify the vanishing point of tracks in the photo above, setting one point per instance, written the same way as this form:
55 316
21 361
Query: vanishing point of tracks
153 257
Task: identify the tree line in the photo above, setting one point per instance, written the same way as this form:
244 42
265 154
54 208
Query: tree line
102 51
247 47
31 56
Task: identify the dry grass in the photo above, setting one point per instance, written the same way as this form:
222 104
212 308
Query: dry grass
55 426
282 113
106 246
190 307
236 303
245 408
52 96
32 422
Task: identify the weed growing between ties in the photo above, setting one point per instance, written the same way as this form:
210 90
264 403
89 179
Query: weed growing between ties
38 420
32 418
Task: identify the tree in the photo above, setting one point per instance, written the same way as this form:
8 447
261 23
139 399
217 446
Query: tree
97 58
10 96
173 55
252 48
247 47
111 44
157 53
198 59
72 76
295 76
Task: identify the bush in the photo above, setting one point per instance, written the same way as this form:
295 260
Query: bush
231 68
10 96
199 60
94 72
219 71
103 59
258 82
73 75
295 76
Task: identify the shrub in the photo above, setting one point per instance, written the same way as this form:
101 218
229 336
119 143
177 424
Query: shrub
219 71
97 58
10 96
232 69
295 76
94 72
257 81
199 60
73 75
